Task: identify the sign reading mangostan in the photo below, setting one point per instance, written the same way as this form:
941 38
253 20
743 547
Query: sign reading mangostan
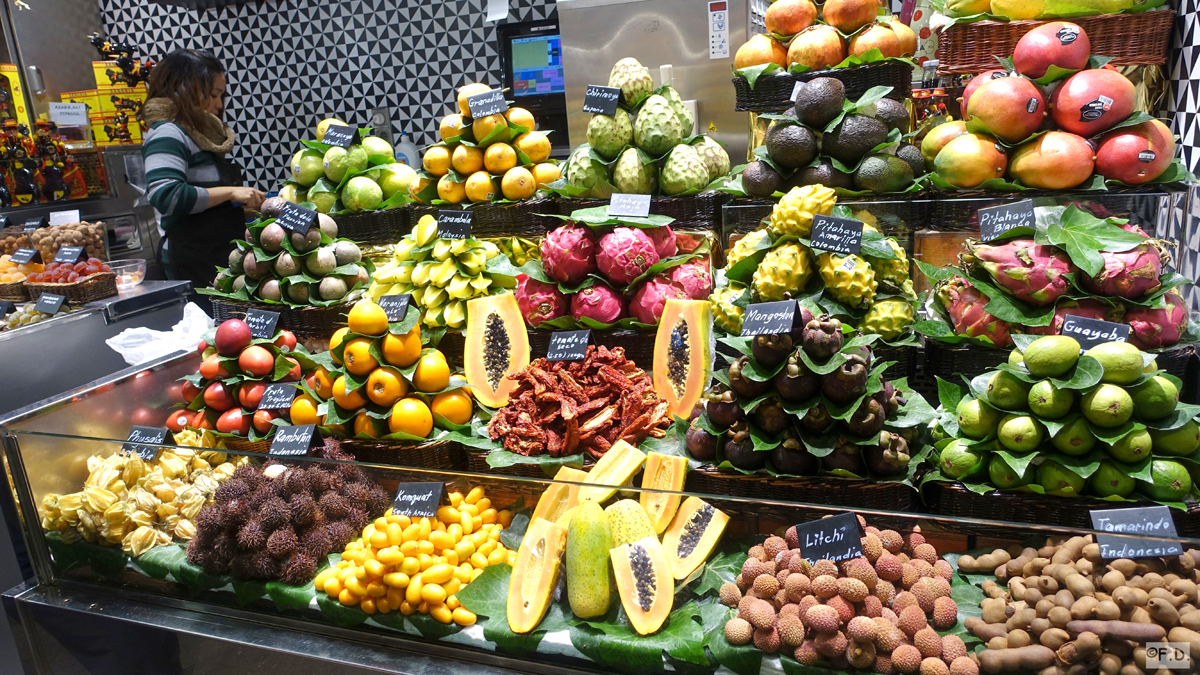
69 254
996 220
1090 332
395 306
601 100
292 441
49 303
417 499
488 103
629 206
1141 521
24 255
839 235
297 218
262 323
455 224
769 318
277 396
835 538
568 345
139 435
341 136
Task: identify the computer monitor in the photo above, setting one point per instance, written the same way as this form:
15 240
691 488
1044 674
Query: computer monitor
537 65
532 68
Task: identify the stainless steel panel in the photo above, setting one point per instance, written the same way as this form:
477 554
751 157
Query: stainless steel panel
53 36
598 33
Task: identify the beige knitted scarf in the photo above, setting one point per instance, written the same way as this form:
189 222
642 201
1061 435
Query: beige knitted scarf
213 136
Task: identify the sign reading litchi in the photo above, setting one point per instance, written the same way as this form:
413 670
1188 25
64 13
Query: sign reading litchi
835 538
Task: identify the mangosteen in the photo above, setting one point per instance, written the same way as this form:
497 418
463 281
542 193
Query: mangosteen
848 381
846 456
739 449
723 407
771 350
743 385
889 397
799 321
889 458
822 337
795 383
271 207
792 457
817 419
771 417
867 420
701 444
697 410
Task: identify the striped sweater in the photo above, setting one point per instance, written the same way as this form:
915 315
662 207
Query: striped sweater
177 173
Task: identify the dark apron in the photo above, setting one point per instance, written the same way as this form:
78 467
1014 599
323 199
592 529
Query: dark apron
203 241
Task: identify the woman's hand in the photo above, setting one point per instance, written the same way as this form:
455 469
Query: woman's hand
248 198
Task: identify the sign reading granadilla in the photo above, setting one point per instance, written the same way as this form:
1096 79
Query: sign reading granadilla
837 235
768 318
994 221
1090 332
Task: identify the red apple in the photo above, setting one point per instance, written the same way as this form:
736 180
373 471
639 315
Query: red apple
262 420
218 397
256 361
250 394
235 421
286 340
232 337
178 419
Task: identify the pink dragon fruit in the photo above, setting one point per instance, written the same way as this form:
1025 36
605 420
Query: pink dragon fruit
598 303
965 304
1030 271
651 297
1154 327
538 301
569 253
694 277
1129 274
664 240
625 254
1088 307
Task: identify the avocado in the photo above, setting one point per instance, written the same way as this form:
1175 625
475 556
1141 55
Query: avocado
823 174
892 113
760 180
819 101
790 145
911 155
853 137
881 173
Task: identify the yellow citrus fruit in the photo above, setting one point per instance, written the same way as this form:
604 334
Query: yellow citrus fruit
324 124
480 187
454 405
367 318
517 183
338 336
546 173
451 126
437 160
466 159
500 157
321 382
411 416
352 400
357 355
468 91
432 373
483 126
402 350
521 117
364 424
304 410
535 145
451 191
416 185
385 386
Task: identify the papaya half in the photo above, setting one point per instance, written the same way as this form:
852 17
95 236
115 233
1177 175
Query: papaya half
683 354
496 346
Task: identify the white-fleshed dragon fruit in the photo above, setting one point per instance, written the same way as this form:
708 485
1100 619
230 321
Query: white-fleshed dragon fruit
1032 272
965 304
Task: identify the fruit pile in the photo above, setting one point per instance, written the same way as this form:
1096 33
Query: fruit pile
274 264
1003 129
67 273
825 140
225 392
500 157
880 612
870 290
10 271
26 315
844 33
385 384
643 547
1064 607
411 565
1099 269
440 274
91 236
803 403
1054 422
362 177
12 238
654 154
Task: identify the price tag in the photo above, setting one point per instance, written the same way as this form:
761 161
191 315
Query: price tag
568 345
629 206
769 318
262 323
395 306
69 114
835 538
487 103
297 218
64 217
49 303
6 308
1141 521
24 255
341 136
839 235
455 224
69 254
996 220
277 396
139 435
1090 332
601 100
35 223
292 441
417 499
796 91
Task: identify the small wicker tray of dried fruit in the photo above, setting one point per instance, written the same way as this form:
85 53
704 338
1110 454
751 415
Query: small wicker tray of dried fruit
84 290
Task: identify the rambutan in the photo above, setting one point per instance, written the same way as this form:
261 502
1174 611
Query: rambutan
282 542
302 508
273 513
298 569
333 505
251 537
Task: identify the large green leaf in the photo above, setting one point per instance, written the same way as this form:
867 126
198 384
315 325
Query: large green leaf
612 642
487 596
741 659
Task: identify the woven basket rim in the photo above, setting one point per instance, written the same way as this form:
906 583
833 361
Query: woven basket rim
308 308
78 282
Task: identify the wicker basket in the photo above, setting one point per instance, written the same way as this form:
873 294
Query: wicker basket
639 347
520 219
88 289
772 93
246 445
701 211
317 323
810 490
954 362
905 357
14 290
1131 39
442 455
958 210
373 227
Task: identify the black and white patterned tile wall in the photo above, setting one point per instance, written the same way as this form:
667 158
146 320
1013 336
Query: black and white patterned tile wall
293 63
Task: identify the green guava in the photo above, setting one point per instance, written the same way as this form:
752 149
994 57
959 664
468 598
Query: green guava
307 167
361 194
1107 406
1075 438
1049 402
1169 482
1111 479
1177 442
1122 361
1051 356
1005 390
1058 479
1015 357
977 419
1155 398
1132 447
1021 433
374 145
338 161
957 460
1004 477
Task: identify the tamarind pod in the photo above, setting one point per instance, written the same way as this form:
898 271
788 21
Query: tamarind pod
983 630
1121 630
1033 657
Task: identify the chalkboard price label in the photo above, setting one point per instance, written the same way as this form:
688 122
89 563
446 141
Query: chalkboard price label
292 441
488 103
600 100
69 254
341 136
1143 522
277 396
1090 332
769 318
262 323
395 306
454 224
568 345
297 218
994 221
6 308
35 223
25 255
839 235
139 435
628 206
835 538
417 499
49 303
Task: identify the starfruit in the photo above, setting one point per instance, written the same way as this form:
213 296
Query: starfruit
403 250
425 230
420 273
459 287
418 295
490 250
473 262
461 246
442 249
435 297
402 274
444 273
481 282
455 314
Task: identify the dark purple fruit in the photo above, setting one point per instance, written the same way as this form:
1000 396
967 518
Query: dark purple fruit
771 417
888 458
847 382
822 338
792 457
889 397
697 410
799 321
272 207
795 383
739 450
771 350
846 456
723 408
817 419
701 444
743 385
867 420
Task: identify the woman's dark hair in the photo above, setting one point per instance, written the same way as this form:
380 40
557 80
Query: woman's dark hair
185 77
